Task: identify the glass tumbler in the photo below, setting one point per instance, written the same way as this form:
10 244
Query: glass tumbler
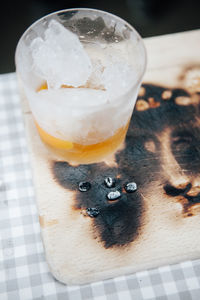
80 71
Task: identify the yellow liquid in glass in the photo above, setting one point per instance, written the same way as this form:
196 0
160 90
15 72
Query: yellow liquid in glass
82 153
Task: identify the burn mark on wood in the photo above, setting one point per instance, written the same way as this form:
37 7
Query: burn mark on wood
120 222
185 146
186 199
173 191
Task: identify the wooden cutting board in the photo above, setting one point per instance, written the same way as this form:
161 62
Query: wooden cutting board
157 224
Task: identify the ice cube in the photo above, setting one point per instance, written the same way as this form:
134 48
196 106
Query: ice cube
72 112
74 97
118 78
95 80
60 58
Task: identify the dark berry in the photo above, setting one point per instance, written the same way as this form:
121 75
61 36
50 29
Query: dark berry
130 187
109 182
84 186
113 195
92 212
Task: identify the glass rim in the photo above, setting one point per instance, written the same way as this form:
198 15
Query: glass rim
143 69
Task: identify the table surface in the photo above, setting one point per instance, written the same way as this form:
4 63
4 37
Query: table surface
24 273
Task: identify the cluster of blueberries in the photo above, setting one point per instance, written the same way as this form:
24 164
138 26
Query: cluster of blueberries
111 196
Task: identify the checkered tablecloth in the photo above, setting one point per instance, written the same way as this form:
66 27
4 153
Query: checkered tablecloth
24 273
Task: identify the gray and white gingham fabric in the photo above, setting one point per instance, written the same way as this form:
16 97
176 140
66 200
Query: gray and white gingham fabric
24 273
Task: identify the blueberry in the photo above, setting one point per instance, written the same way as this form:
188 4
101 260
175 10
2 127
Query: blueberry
84 186
113 195
130 187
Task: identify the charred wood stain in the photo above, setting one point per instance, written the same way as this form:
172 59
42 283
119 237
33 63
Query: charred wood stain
119 222
184 193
